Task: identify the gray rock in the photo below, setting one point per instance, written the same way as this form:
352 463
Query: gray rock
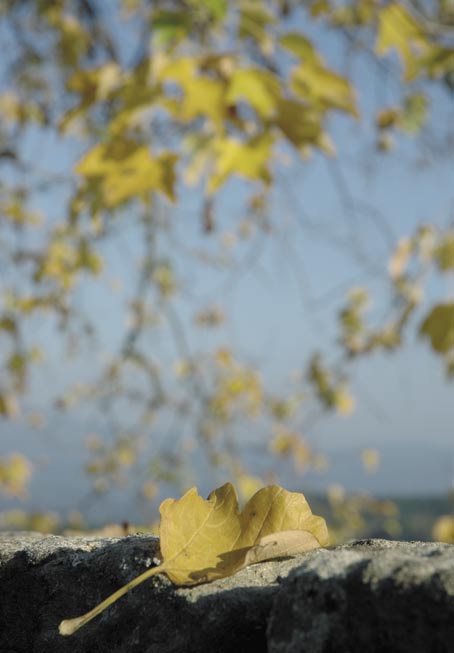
44 579
366 597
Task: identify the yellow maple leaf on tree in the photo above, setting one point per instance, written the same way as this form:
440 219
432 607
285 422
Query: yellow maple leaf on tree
124 170
249 160
202 95
260 88
397 29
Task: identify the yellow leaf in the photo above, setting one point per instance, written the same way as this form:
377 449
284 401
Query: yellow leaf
202 540
97 83
315 83
15 473
438 61
248 485
343 401
444 253
414 113
319 7
332 393
370 459
289 444
14 110
301 125
443 529
170 27
388 118
16 212
397 29
94 85
260 88
224 357
281 545
204 532
73 40
385 142
439 328
300 46
126 170
183 368
254 22
164 279
202 95
200 155
8 406
283 444
250 160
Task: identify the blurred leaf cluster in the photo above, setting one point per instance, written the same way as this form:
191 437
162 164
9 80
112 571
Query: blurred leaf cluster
162 97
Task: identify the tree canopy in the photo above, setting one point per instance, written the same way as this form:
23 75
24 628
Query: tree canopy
148 107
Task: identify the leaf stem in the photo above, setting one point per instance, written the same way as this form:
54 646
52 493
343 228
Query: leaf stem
70 626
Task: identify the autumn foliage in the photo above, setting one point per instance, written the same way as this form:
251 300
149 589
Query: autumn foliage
162 106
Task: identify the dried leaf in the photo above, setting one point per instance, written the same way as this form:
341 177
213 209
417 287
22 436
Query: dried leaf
202 540
281 545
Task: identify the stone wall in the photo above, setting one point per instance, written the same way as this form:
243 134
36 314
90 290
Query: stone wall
367 596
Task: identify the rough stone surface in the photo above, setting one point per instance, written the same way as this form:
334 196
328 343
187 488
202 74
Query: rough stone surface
370 596
367 596
44 579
